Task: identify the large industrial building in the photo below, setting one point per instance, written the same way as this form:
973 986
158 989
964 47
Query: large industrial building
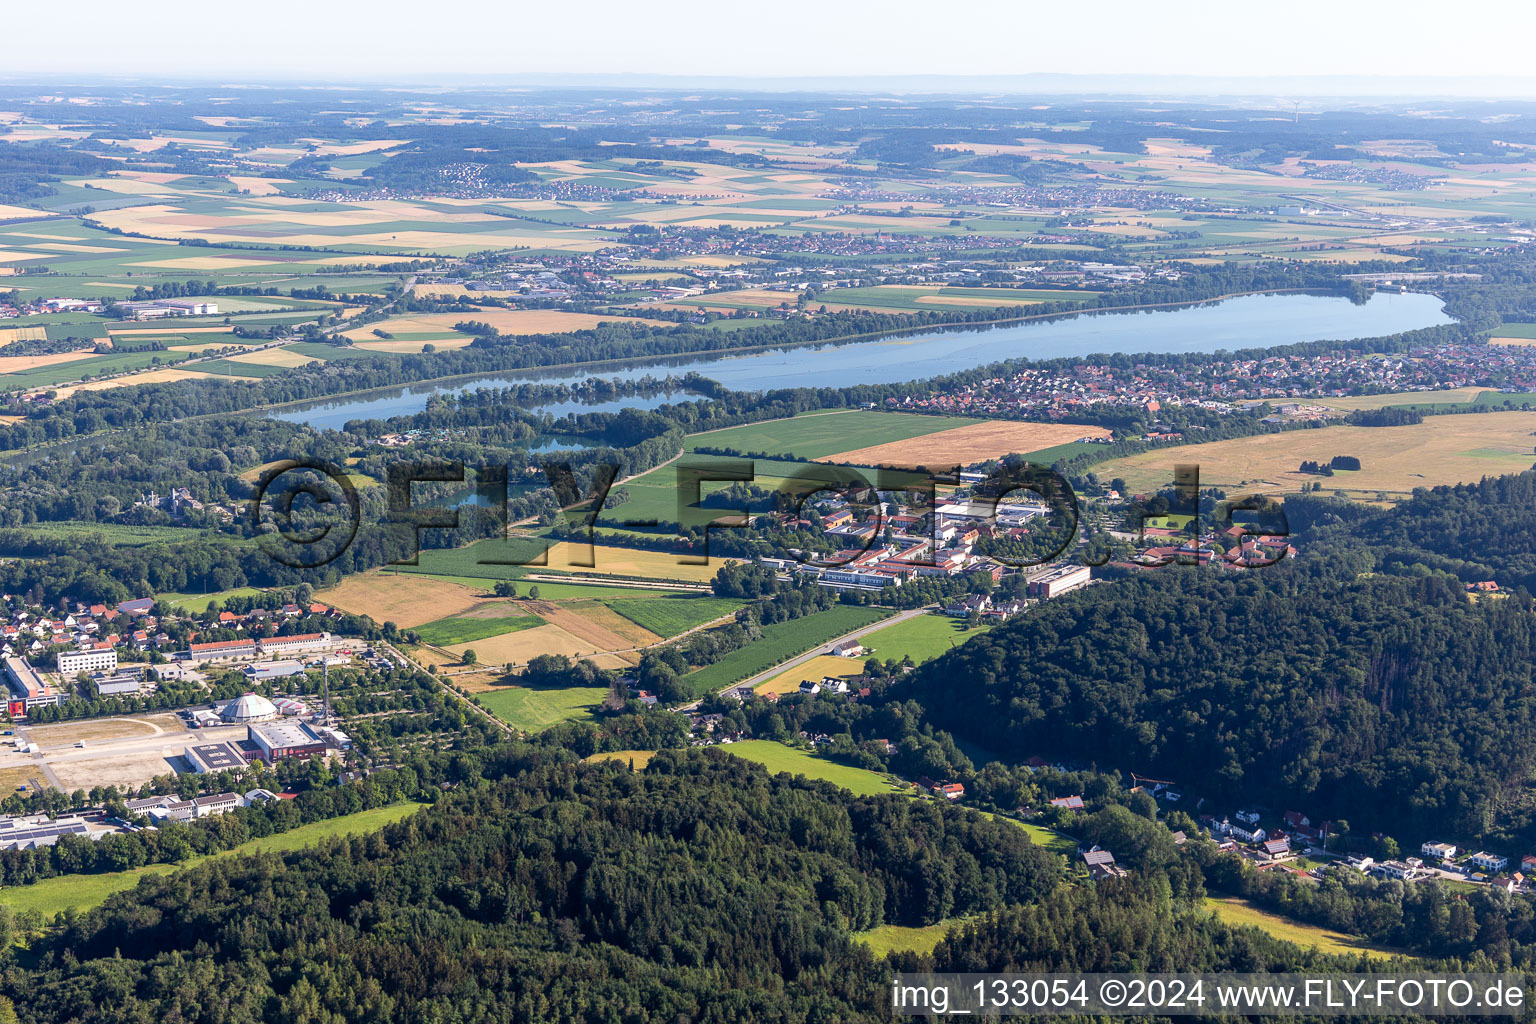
277 740
28 688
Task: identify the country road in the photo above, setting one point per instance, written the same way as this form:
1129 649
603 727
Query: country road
820 649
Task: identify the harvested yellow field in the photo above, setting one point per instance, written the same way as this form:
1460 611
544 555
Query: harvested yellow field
258 186
10 334
399 346
966 445
1454 396
405 599
16 364
616 561
165 376
1440 450
599 625
275 357
1512 341
75 247
764 298
205 263
526 644
507 321
814 670
16 212
128 186
458 291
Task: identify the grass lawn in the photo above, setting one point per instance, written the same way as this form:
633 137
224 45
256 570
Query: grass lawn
200 602
52 895
896 938
1052 840
922 639
669 616
776 757
1240 912
534 709
780 642
461 630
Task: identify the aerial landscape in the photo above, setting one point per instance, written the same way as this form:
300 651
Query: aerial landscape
809 535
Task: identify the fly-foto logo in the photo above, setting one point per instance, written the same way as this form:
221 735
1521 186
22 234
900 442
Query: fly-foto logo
308 512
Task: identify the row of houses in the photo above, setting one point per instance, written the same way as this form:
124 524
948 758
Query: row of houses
252 647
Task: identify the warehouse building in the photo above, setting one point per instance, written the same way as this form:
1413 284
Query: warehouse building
118 684
275 741
214 757
261 671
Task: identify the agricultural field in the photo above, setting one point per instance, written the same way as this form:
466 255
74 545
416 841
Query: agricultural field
1395 460
92 366
535 709
405 599
119 535
780 642
777 757
653 496
967 445
558 558
1514 334
434 326
670 616
914 297
1451 396
470 627
83 892
820 435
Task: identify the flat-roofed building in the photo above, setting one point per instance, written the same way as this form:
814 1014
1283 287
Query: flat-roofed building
219 650
260 671
297 642
214 757
117 684
278 740
28 687
1060 580
95 659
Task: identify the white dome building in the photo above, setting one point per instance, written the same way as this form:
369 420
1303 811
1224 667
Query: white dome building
251 707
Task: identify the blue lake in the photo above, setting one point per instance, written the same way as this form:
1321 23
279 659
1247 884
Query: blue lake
1250 321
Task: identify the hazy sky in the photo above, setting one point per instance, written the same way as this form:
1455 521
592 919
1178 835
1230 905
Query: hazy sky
393 40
